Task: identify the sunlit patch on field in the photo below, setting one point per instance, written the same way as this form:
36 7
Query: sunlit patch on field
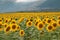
32 26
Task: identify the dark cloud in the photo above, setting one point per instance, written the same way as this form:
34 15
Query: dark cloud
11 5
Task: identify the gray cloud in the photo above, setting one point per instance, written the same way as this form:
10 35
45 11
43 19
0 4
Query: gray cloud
11 5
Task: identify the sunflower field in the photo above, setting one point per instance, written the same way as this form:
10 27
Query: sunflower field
31 26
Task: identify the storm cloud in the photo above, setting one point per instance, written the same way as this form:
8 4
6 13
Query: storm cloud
13 6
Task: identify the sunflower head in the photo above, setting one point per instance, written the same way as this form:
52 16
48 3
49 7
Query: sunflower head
13 22
54 24
46 16
36 23
27 20
37 20
14 27
1 26
49 28
53 18
7 29
31 19
44 21
21 19
58 22
6 20
49 21
40 26
18 27
5 24
58 17
29 24
0 19
21 33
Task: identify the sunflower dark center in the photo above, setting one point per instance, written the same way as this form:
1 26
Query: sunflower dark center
0 24
44 22
49 21
0 20
36 23
6 20
17 27
59 22
29 23
13 22
40 25
8 28
31 20
59 18
50 27
5 25
54 24
13 26
11 18
53 19
27 20
44 19
21 32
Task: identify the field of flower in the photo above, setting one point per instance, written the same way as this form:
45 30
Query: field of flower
30 26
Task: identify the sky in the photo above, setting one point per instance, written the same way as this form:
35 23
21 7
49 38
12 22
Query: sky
29 5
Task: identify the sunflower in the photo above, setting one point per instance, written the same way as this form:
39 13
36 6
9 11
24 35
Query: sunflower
37 20
49 28
46 17
27 20
14 27
40 26
36 23
18 27
58 17
49 21
11 18
29 24
21 19
58 22
53 18
0 19
5 24
31 19
13 22
6 20
7 29
54 24
1 28
44 21
21 33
